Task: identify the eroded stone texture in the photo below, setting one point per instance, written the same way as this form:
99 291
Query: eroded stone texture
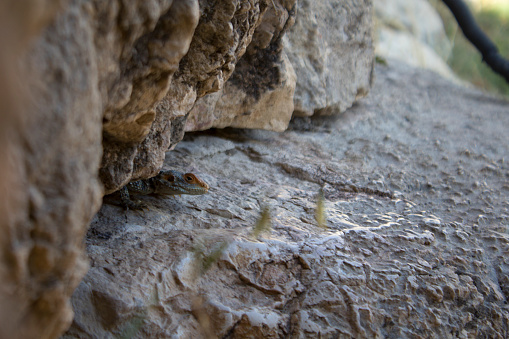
429 262
221 38
50 137
412 32
331 49
259 93
137 132
98 73
138 59
239 41
96 63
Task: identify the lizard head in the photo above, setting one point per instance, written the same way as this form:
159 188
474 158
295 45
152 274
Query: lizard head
174 183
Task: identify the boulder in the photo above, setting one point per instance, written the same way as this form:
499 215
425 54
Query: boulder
412 32
331 49
94 94
321 64
137 61
243 42
50 131
260 92
149 123
418 18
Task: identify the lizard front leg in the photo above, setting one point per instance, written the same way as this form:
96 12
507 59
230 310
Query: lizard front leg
130 204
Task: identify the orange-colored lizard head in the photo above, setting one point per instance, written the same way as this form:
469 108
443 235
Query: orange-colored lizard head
192 179
174 183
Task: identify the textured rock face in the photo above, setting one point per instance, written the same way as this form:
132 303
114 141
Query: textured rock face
413 32
51 146
221 38
260 92
139 59
429 262
237 105
331 50
98 67
109 78
237 40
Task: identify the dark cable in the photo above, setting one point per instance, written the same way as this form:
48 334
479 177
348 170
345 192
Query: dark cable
476 36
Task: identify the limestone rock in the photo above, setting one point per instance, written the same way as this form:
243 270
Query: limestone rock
417 18
143 131
237 105
137 62
415 197
259 93
412 32
95 74
242 42
51 144
331 49
406 47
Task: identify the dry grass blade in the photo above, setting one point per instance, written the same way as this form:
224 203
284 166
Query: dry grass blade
263 224
203 318
320 213
203 261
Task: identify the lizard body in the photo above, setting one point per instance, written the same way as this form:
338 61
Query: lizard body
165 183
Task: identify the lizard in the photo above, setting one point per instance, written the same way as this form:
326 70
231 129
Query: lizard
169 182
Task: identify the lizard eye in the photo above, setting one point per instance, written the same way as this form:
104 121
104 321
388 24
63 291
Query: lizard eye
190 178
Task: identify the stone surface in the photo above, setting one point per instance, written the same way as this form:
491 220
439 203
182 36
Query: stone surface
51 144
235 106
331 49
260 92
418 18
239 41
143 131
427 260
412 32
405 47
110 79
137 60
